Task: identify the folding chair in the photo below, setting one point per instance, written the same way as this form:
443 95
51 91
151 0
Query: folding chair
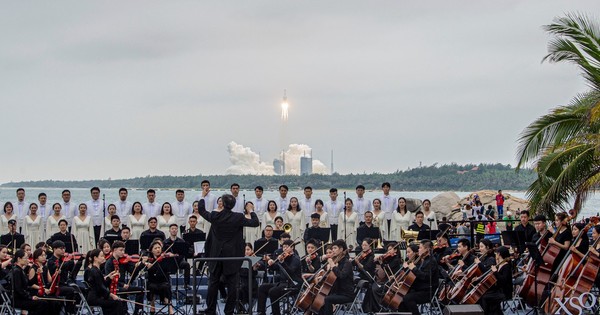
83 304
6 307
355 306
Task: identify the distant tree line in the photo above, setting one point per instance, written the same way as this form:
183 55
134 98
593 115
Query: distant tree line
452 177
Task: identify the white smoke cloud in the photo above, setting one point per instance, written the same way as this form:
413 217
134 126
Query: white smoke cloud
245 161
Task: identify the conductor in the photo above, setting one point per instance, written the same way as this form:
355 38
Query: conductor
225 240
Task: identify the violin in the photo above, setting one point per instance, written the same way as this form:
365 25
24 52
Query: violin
73 256
129 258
40 280
363 255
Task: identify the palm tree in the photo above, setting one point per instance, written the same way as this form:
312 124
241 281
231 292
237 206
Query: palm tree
563 146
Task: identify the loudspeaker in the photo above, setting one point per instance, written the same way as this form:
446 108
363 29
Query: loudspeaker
473 309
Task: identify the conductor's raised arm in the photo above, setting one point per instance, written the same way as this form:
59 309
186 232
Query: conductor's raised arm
202 210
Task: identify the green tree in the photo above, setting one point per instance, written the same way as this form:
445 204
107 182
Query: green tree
563 145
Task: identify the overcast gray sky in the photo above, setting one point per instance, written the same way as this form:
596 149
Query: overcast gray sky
142 88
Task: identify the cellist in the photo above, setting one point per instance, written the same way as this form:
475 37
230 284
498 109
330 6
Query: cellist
342 291
583 244
487 258
502 290
596 249
426 282
562 238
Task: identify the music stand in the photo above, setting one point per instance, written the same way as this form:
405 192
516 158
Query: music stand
402 245
514 239
277 234
191 239
110 238
321 234
427 235
362 233
267 249
132 247
146 240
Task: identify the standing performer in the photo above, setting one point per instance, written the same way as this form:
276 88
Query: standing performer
83 229
99 294
225 240
33 228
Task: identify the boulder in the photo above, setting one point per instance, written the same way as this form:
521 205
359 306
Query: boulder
412 204
488 197
444 203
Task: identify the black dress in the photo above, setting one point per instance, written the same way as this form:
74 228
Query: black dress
22 298
99 294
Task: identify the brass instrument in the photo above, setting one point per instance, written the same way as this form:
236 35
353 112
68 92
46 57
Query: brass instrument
287 228
409 236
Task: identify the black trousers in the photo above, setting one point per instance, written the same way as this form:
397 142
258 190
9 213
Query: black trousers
491 302
273 291
109 306
139 298
230 280
331 299
412 299
163 290
69 294
97 230
34 307
334 232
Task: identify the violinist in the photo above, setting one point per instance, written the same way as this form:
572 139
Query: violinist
288 264
487 258
40 279
426 282
159 281
343 288
502 290
22 298
328 253
119 263
365 260
311 263
104 246
583 244
5 261
182 264
243 288
391 259
442 249
99 294
386 266
63 270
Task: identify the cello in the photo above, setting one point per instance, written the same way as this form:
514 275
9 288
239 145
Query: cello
486 281
324 280
462 286
399 288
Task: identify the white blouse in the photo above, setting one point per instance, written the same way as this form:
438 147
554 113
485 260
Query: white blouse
52 225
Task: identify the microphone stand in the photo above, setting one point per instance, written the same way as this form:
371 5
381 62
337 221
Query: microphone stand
431 260
344 208
103 229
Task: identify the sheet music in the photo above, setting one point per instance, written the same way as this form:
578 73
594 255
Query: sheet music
199 247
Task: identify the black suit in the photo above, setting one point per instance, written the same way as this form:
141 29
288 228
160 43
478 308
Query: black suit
226 239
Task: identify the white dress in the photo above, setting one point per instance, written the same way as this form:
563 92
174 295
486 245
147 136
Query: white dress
298 222
251 234
352 223
268 220
83 230
432 225
379 220
4 223
399 222
52 225
164 224
33 229
137 226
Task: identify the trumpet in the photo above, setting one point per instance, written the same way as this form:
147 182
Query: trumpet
287 228
409 235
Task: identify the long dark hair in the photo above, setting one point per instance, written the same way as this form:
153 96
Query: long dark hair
89 257
405 207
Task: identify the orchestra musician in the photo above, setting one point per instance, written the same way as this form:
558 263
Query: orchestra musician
181 262
583 244
343 288
365 260
159 281
562 239
243 287
22 298
426 282
315 219
488 257
153 230
539 222
368 229
64 236
502 290
5 261
104 246
99 294
312 262
419 226
288 264
40 279
118 262
595 249
442 249
525 227
387 265
466 258
63 269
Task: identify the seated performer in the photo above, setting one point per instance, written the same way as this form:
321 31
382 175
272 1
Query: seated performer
442 248
159 281
181 262
419 226
426 281
387 266
63 269
118 262
343 288
40 279
12 234
288 264
243 288
311 263
465 260
64 236
487 257
152 230
502 290
99 294
365 261
22 298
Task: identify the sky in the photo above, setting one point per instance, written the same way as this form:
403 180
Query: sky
97 90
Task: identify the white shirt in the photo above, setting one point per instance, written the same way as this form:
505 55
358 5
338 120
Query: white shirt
333 209
282 204
210 201
69 209
362 205
181 210
124 210
44 210
260 206
151 209
307 206
21 209
239 204
388 205
95 209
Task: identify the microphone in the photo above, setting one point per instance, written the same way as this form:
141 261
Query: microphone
430 219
